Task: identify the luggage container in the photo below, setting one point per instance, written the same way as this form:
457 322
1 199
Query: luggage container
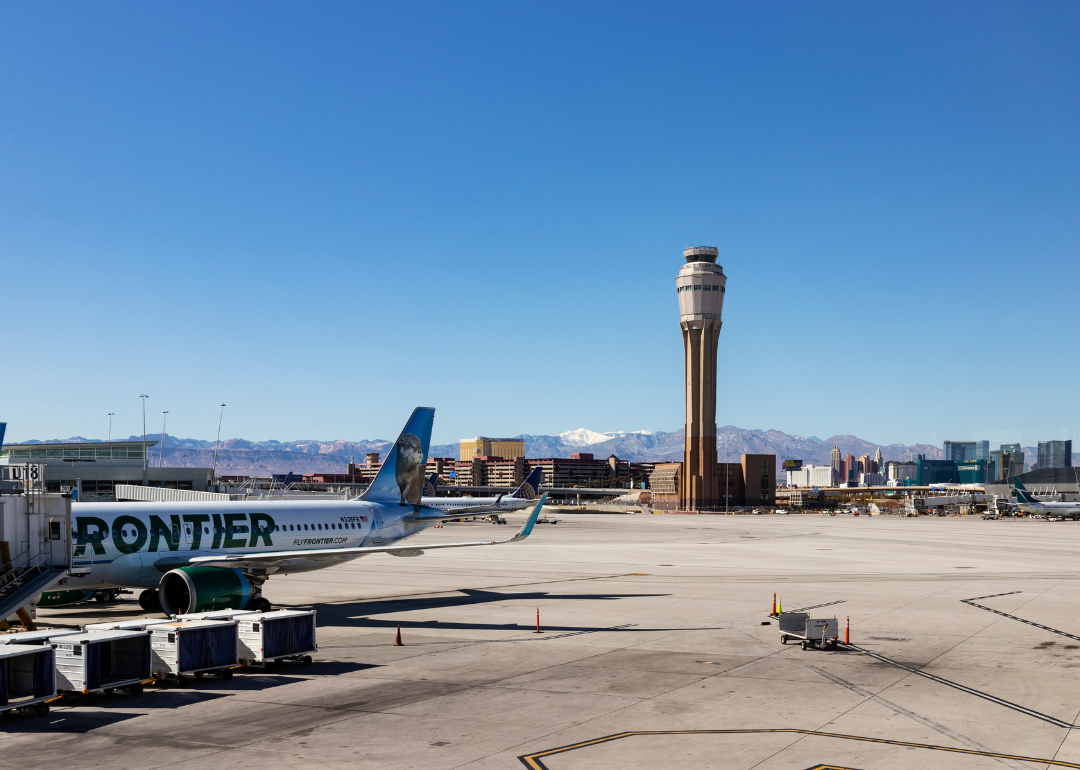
36 638
819 633
27 677
195 647
267 638
215 615
135 624
90 662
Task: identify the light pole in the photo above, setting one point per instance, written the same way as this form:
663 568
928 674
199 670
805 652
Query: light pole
161 449
727 479
111 415
218 442
145 482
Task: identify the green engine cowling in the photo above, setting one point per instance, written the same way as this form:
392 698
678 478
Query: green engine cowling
201 589
64 598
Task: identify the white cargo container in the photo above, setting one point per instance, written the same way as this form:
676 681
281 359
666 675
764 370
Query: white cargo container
102 661
195 647
215 615
27 677
37 638
269 637
135 624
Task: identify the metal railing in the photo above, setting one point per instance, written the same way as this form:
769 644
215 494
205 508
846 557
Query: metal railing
15 572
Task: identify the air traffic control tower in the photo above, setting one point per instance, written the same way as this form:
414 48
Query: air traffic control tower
701 287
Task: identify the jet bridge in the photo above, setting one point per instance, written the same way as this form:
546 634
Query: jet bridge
35 540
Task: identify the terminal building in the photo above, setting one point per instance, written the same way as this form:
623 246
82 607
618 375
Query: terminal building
751 482
95 468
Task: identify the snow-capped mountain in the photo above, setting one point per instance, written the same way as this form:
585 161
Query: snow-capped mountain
585 437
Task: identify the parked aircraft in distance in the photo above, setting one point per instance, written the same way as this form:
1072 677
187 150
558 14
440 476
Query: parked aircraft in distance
519 499
1028 504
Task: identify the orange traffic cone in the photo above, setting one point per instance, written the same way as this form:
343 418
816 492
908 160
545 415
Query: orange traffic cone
397 642
847 631
773 604
538 621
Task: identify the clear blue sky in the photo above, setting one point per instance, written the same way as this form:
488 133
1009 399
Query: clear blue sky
324 214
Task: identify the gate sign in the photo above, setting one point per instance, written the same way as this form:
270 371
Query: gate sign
31 474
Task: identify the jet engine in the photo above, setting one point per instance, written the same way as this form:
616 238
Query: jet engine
200 589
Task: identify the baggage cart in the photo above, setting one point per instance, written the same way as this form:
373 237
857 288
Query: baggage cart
194 648
819 633
90 662
267 638
215 615
27 677
37 638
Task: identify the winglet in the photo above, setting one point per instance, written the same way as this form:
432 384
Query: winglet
527 527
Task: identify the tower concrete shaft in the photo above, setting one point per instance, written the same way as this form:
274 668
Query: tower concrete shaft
701 286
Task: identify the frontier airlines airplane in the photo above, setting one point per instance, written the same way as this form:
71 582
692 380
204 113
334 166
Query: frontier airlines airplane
192 557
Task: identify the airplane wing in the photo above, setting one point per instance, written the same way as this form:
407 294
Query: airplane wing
269 559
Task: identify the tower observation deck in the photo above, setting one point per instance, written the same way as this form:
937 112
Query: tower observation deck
701 285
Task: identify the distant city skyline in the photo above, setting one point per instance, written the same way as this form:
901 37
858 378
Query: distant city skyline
343 211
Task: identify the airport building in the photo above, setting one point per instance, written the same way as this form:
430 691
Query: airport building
748 483
95 468
1053 484
700 287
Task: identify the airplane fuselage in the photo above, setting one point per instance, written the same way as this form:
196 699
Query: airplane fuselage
478 504
1051 509
134 544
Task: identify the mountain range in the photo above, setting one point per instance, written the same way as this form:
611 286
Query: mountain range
240 457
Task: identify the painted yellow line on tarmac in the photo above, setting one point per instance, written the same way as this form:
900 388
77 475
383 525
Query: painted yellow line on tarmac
533 761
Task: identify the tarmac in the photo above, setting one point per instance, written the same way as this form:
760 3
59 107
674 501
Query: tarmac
653 653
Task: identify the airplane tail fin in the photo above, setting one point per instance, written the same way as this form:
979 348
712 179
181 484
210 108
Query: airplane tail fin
530 487
401 478
431 485
1022 495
